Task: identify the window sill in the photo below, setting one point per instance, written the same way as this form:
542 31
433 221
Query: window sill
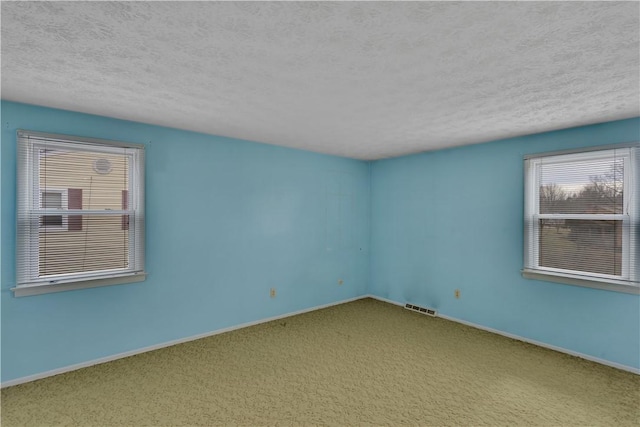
29 290
576 280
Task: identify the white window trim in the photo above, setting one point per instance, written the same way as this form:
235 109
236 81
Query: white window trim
28 170
627 282
38 289
577 280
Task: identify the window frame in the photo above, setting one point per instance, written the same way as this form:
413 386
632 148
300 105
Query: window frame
628 280
29 203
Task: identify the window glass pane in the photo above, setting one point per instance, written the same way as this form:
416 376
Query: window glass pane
100 177
583 187
52 200
101 243
581 245
51 221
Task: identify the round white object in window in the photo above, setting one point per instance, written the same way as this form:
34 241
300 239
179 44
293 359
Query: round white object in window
102 166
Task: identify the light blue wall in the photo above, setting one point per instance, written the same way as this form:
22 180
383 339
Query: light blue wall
454 219
226 221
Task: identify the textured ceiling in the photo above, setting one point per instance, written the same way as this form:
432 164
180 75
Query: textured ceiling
362 80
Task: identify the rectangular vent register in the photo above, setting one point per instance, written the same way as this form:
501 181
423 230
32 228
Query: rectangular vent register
428 311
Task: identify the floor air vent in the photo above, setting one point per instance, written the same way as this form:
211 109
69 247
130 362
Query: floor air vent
423 310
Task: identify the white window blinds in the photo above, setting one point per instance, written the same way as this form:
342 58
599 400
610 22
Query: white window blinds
80 209
581 215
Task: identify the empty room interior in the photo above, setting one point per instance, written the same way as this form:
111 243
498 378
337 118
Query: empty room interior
320 213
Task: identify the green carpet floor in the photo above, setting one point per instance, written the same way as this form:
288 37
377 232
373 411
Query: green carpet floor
361 363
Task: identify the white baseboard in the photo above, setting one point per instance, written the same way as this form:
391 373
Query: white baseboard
106 359
527 340
399 304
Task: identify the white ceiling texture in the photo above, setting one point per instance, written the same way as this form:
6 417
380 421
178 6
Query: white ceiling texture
366 80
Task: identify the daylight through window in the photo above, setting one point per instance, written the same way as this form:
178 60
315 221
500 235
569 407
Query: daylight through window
80 210
581 215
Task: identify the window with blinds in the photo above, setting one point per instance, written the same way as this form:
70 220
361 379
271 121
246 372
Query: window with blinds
80 212
581 216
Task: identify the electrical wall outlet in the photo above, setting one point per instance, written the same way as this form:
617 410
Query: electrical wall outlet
340 282
456 293
272 292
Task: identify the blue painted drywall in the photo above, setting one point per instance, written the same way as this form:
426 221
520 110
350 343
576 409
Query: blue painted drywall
453 219
226 221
